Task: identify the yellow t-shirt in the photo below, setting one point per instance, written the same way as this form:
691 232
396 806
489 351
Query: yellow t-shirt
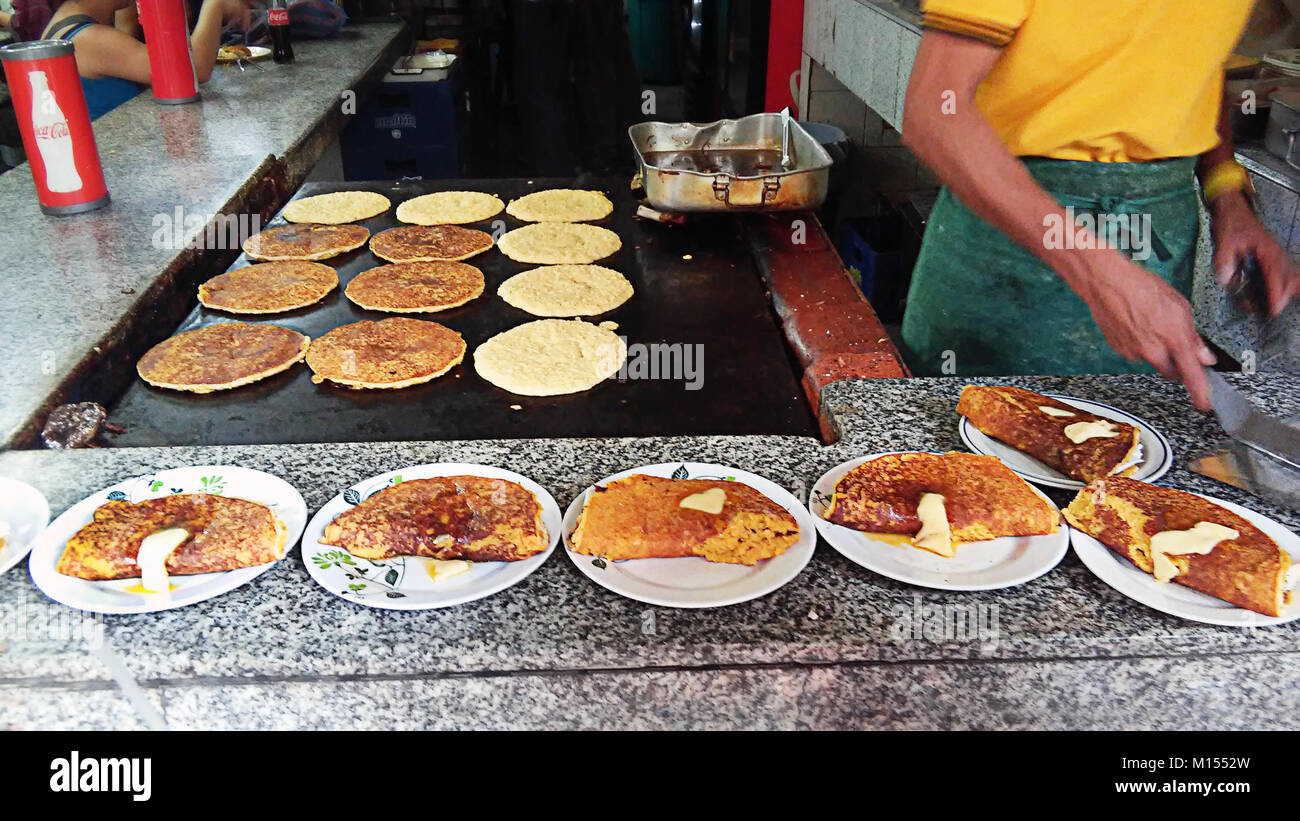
1118 81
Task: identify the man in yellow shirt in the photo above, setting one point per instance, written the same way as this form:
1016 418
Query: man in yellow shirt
1068 136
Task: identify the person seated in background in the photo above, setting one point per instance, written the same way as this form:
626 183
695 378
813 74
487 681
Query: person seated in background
114 66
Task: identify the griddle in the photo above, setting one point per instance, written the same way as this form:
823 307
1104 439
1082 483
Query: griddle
715 299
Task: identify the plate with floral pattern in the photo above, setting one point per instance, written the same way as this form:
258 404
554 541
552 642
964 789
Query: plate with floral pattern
115 595
408 583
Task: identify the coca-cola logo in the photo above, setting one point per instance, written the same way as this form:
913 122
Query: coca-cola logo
53 131
278 17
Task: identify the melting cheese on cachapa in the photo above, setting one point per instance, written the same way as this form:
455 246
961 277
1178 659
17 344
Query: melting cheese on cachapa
708 501
1051 411
152 559
1081 432
1201 539
443 569
935 534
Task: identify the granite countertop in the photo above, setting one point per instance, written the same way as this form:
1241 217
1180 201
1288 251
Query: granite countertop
831 649
70 280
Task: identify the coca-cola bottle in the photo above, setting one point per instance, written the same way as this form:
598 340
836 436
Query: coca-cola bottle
278 20
53 140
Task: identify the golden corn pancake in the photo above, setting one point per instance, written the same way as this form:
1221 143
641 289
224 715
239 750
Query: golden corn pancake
1247 569
306 240
650 517
416 287
561 205
450 208
220 357
429 243
269 287
981 498
1047 429
448 517
225 534
336 208
391 353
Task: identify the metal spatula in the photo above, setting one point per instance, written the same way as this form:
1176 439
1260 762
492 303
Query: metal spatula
1257 431
1263 455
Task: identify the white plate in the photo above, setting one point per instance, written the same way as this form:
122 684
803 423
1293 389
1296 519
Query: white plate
404 583
1174 599
695 581
1157 453
112 596
27 513
987 565
258 53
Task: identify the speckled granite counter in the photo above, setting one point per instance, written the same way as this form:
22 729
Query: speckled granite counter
557 651
70 282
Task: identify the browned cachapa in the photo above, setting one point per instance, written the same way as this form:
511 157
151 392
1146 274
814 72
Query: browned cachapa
305 240
1016 416
1249 571
269 287
225 534
391 353
429 243
218 357
448 517
641 517
416 287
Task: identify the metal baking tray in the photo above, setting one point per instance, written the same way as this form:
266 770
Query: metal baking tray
729 165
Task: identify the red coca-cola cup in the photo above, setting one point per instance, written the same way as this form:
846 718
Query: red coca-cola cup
52 117
171 64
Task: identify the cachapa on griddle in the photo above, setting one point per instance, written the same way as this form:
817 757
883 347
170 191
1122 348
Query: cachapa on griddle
429 243
269 287
447 517
219 357
559 243
225 534
305 240
450 208
392 353
416 287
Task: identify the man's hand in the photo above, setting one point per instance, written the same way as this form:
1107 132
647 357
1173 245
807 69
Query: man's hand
1143 317
1237 233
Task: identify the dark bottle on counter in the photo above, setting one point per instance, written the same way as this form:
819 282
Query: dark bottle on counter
278 21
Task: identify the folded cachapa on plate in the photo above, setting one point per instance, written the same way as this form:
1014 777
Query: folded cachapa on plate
1180 537
224 534
446 517
941 499
652 517
1079 444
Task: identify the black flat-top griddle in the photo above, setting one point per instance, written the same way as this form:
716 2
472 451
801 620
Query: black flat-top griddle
714 299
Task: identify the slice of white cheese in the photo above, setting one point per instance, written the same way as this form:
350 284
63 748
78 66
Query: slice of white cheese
1201 539
935 534
443 569
709 501
152 557
1081 432
1051 411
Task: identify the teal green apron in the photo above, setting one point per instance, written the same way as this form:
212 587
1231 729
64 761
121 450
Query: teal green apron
980 305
